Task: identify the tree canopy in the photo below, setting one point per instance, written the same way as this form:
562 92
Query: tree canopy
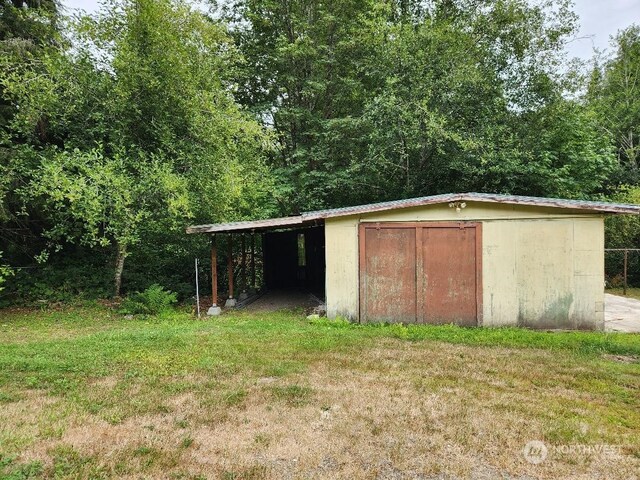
130 127
120 128
399 99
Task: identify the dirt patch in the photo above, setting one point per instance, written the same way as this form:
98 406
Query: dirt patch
622 358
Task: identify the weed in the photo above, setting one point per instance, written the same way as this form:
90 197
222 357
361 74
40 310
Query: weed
141 451
8 397
69 463
292 395
256 472
235 397
262 439
182 423
25 471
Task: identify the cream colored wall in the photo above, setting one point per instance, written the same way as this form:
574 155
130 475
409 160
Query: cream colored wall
341 262
542 267
545 273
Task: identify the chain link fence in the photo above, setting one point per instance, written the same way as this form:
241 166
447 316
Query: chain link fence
622 268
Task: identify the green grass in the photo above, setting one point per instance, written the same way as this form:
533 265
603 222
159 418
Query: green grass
93 363
293 395
632 292
580 342
61 351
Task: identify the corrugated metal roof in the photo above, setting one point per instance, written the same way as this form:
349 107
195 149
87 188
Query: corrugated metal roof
310 218
268 223
478 197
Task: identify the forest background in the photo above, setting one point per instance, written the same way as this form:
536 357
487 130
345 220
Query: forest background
121 127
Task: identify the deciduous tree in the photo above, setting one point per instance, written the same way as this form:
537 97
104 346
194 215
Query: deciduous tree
131 128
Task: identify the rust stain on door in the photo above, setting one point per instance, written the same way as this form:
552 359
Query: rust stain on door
447 277
388 276
420 272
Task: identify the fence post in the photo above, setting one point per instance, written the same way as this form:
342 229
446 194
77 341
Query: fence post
197 291
626 255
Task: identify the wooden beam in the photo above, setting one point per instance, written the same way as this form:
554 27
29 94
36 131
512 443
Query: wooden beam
244 263
253 260
264 262
230 265
214 271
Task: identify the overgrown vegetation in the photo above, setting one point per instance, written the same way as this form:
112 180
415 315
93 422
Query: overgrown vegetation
87 393
151 301
122 133
120 128
5 272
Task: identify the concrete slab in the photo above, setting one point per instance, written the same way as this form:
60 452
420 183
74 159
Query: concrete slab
282 299
621 314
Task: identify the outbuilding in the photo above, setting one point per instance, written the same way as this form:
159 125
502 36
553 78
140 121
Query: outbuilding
471 259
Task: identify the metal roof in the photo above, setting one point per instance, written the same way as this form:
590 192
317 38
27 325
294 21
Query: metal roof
318 216
266 224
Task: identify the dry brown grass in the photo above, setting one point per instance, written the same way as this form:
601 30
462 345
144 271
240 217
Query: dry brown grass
396 410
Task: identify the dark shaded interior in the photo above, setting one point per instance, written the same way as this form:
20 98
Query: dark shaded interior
294 259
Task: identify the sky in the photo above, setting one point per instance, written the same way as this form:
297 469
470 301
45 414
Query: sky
599 19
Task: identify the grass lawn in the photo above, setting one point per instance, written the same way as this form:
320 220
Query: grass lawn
86 393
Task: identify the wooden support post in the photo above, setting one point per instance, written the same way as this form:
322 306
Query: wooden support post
214 272
264 268
244 265
626 258
253 260
230 266
214 309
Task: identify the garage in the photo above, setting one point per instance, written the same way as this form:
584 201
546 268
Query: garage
434 268
470 259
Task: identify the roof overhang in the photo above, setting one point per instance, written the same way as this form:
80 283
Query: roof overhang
317 217
254 225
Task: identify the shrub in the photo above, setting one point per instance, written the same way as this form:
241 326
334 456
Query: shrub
79 275
151 301
5 271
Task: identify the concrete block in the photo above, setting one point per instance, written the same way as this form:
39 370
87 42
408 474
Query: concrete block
230 303
214 310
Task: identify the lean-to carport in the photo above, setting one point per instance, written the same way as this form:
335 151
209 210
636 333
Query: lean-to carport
289 250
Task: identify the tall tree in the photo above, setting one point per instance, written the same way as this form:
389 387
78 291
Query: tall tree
306 75
28 29
133 129
614 92
388 99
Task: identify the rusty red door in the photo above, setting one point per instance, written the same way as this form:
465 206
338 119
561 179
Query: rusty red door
420 272
448 274
388 274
